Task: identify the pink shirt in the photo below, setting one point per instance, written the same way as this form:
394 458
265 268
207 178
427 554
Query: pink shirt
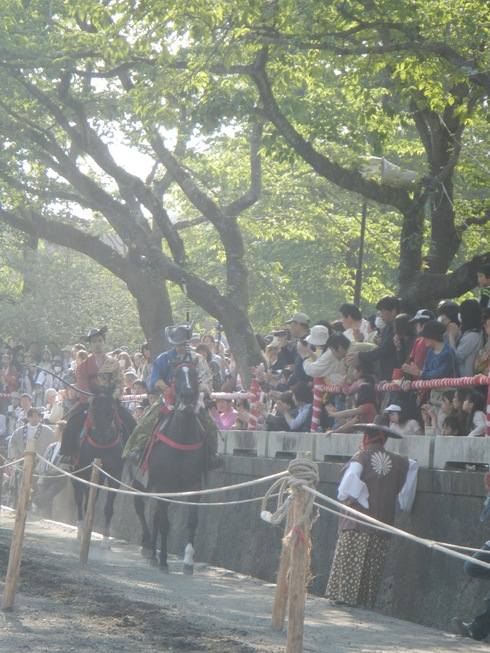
225 421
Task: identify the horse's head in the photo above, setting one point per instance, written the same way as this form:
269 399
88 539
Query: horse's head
103 413
186 385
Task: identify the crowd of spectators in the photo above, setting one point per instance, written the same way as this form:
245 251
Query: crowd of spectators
349 351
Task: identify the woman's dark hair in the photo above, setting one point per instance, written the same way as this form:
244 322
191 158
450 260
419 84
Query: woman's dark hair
403 327
471 319
261 340
372 320
204 349
145 345
287 398
477 399
449 395
303 392
366 394
452 422
337 326
450 309
387 303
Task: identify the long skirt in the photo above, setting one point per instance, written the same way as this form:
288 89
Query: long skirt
357 568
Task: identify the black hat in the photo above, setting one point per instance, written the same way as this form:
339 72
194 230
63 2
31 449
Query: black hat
375 429
178 335
433 330
422 316
95 332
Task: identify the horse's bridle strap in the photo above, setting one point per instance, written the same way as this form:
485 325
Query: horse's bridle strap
177 445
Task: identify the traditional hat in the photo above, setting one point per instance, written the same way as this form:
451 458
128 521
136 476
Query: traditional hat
177 335
95 332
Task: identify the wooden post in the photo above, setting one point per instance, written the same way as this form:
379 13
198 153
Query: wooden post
89 516
298 571
13 569
293 573
281 596
2 463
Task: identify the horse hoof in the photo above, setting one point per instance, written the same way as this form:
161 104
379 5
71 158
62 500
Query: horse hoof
163 569
153 562
146 553
188 569
105 544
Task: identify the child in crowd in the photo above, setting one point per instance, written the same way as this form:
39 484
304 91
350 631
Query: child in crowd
364 412
474 416
400 423
435 418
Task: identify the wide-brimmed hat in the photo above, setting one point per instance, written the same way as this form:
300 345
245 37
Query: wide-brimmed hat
178 335
423 315
15 395
318 335
95 332
375 429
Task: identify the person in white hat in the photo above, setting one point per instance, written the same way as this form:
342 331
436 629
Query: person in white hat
399 422
318 359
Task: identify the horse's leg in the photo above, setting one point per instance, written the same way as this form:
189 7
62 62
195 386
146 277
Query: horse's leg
78 491
155 531
164 531
139 506
192 520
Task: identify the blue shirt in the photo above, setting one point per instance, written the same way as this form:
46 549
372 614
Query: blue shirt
163 369
443 365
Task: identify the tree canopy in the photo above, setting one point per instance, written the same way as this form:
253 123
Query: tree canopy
176 125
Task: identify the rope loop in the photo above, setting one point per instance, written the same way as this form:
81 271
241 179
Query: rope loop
302 471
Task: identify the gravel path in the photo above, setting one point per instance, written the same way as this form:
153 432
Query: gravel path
118 603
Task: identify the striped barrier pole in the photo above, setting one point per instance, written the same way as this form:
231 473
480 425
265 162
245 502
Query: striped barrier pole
318 386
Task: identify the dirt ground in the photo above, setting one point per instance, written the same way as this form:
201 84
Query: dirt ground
118 603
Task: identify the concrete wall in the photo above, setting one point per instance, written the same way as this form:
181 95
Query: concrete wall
419 584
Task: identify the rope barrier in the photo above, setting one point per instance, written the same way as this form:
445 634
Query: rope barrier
12 463
301 470
392 530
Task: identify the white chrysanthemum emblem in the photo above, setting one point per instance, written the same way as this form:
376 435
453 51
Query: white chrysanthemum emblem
381 463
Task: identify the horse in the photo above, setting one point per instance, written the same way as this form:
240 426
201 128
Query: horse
177 462
103 436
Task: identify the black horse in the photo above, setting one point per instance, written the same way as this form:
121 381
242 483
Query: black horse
103 436
176 462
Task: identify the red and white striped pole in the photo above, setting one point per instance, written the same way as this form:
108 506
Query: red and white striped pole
487 431
318 389
255 390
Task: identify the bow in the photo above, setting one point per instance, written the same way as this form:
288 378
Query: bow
90 394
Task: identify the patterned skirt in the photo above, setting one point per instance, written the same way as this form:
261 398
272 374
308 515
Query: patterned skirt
357 568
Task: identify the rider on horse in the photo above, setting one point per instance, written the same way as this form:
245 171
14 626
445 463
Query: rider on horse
161 381
96 371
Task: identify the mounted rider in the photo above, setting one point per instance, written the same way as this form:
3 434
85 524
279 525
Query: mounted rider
97 371
161 382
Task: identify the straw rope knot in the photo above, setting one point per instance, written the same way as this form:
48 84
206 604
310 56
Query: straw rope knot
302 471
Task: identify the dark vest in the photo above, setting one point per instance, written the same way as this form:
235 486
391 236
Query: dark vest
385 474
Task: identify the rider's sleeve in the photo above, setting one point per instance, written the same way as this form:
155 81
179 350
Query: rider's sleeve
157 383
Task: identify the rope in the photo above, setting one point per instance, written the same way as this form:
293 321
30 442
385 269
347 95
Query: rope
12 463
355 515
301 470
479 379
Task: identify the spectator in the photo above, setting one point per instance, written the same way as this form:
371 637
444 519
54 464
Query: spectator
483 277
318 358
385 353
226 415
13 412
146 367
419 350
467 339
451 426
364 412
435 418
441 360
276 420
286 354
482 362
473 410
404 337
400 422
356 328
51 483
43 435
213 364
299 326
67 358
303 400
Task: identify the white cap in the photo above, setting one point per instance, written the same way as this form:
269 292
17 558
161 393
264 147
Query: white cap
393 408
